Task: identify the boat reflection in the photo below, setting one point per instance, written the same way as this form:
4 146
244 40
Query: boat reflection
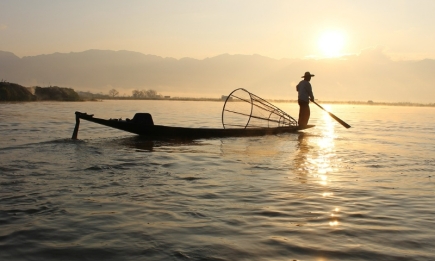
143 144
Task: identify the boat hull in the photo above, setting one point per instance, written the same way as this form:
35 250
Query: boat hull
160 131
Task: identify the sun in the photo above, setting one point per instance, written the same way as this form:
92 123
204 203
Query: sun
331 43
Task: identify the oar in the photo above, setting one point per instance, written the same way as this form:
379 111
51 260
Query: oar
333 116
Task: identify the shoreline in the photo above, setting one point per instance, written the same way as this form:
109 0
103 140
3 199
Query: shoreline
405 104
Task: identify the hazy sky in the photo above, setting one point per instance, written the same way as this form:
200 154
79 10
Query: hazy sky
405 29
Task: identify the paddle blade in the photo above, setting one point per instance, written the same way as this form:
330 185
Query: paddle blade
333 116
339 120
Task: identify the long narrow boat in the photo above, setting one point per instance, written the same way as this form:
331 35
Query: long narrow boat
257 118
160 131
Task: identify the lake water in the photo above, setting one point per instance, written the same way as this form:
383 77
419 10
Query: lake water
327 193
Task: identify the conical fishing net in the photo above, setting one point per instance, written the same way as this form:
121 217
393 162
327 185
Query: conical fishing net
243 109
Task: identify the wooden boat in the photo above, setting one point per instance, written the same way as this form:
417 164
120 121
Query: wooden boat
160 131
262 118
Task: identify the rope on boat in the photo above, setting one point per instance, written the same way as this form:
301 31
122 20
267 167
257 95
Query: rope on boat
245 109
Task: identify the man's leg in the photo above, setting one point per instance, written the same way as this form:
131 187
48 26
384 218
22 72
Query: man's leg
307 115
304 113
301 114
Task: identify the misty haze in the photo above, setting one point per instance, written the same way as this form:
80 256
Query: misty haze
217 130
371 75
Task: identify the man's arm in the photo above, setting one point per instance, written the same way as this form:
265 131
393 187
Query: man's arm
310 93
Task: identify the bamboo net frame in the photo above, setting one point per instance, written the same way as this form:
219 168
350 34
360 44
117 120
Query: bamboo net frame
243 109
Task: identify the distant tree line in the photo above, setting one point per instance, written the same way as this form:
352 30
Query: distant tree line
137 94
145 94
113 93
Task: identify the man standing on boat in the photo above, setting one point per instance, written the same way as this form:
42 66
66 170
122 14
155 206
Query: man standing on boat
305 95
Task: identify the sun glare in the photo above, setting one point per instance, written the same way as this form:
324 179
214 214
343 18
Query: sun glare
331 43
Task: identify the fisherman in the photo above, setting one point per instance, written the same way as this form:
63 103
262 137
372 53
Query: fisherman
305 95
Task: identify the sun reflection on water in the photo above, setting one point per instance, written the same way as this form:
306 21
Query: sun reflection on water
316 152
316 160
333 223
326 149
334 218
327 194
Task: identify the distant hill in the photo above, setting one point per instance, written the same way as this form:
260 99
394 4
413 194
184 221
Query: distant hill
16 92
55 93
367 76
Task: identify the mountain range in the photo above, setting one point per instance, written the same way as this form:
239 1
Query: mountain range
370 75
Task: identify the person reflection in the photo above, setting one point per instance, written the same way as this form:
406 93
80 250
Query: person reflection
301 160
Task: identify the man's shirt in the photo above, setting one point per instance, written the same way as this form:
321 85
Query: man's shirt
305 92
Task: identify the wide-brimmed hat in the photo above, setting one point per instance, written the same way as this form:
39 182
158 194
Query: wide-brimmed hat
307 74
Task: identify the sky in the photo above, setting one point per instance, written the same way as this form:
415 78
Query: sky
404 29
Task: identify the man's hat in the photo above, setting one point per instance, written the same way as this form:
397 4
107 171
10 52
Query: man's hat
307 74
